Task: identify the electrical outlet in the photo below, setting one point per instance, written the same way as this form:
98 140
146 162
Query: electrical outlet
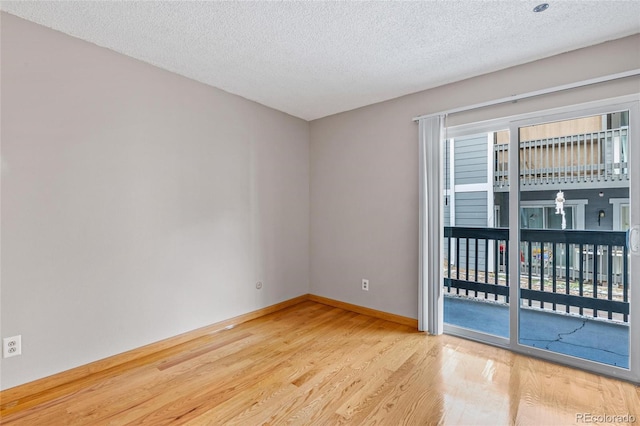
365 284
11 346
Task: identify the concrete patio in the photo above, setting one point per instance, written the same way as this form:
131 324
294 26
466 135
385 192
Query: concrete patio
593 339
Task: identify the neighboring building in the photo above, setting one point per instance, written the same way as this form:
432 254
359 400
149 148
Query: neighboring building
575 156
585 158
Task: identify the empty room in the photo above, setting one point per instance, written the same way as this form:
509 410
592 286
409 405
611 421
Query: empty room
319 212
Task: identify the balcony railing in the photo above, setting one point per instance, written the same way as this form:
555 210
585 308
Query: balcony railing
582 272
582 159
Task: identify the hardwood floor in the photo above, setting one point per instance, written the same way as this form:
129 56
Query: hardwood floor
313 364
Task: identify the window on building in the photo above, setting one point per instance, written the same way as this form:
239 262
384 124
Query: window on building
543 217
624 217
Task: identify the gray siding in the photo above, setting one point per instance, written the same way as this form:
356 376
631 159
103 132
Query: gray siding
446 180
471 209
446 222
470 158
447 215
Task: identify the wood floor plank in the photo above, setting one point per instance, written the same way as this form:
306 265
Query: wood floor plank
318 364
272 355
137 389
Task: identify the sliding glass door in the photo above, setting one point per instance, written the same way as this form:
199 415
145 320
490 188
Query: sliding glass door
572 209
540 236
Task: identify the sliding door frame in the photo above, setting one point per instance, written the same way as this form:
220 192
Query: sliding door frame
567 113
457 132
513 123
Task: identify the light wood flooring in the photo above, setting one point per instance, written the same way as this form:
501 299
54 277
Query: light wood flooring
312 364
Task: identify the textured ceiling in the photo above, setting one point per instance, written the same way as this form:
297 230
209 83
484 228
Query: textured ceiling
313 59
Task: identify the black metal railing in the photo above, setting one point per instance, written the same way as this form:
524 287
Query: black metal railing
473 259
585 272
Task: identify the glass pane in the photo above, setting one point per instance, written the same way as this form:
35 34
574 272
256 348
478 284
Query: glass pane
574 281
534 218
475 259
554 220
624 217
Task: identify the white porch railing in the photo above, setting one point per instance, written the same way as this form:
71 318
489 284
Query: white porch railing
582 159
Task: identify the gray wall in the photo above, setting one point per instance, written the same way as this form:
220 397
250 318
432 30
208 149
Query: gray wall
364 170
470 160
471 209
594 205
136 204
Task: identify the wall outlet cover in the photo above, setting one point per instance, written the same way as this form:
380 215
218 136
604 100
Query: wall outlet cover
11 346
